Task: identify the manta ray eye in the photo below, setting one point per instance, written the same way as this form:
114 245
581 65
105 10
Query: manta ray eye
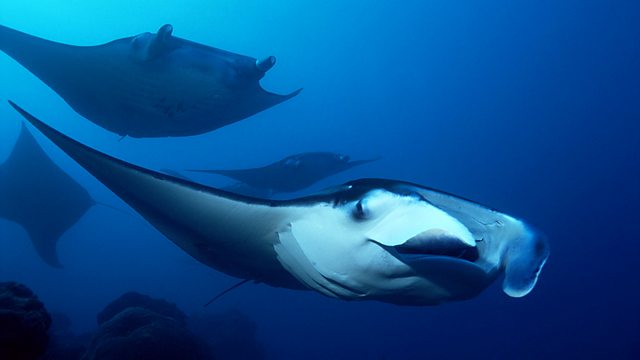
360 212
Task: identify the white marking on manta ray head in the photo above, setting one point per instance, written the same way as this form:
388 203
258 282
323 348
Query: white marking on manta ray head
347 251
406 250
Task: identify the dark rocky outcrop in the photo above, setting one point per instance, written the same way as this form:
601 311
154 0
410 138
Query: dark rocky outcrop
63 343
150 329
24 323
134 299
132 327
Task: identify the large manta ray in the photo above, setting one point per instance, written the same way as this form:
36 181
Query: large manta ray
149 85
38 195
291 174
383 240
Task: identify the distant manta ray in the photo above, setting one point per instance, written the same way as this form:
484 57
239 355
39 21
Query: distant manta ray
38 195
371 239
237 188
291 174
149 85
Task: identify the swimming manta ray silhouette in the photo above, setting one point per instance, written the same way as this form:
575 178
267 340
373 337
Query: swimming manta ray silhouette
36 194
149 85
370 239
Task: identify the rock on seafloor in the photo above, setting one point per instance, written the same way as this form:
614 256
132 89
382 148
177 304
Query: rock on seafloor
136 327
230 334
132 327
134 299
24 323
64 344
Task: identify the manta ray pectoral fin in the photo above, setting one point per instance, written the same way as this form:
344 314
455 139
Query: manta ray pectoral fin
179 209
265 99
46 248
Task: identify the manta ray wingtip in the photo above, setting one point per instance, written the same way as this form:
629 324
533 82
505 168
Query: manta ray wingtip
42 127
19 109
294 93
47 250
53 262
15 106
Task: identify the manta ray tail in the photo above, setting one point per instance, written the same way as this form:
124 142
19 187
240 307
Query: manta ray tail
227 290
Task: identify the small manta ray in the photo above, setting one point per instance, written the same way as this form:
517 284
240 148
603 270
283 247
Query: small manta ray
37 194
238 188
291 174
149 85
369 239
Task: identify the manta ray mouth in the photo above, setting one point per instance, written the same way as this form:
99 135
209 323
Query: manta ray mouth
451 266
417 247
470 255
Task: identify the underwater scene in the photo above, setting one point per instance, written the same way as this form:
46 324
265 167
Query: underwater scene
319 180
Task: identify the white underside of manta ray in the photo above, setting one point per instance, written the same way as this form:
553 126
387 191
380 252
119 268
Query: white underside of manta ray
369 239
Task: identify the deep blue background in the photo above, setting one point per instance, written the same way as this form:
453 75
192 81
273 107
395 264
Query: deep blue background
532 107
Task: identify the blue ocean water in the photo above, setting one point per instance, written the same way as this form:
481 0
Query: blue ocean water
531 107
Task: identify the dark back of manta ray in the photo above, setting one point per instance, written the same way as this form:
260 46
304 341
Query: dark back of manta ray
38 195
149 85
291 174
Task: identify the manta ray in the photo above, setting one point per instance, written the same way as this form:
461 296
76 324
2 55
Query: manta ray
237 188
291 174
370 239
149 85
38 195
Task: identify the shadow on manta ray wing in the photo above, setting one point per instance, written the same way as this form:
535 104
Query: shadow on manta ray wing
371 239
149 85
